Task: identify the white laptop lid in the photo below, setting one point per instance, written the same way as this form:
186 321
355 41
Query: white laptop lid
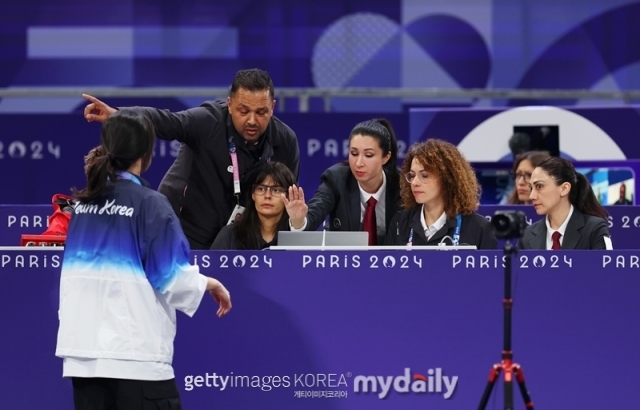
314 238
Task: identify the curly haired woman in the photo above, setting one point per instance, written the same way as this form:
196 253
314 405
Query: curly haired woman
440 193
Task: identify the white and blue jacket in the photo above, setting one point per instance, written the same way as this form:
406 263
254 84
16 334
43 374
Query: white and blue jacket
125 271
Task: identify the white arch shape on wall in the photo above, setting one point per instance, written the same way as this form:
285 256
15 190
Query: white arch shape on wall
580 138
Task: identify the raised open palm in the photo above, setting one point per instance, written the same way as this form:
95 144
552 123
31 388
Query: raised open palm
295 205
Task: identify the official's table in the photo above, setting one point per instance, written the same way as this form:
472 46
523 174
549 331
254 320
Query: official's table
624 222
363 330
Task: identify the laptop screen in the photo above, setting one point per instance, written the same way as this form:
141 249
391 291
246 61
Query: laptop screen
314 238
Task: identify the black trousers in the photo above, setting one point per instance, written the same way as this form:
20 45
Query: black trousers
120 394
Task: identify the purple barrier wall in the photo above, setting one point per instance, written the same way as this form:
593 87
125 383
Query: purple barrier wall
321 321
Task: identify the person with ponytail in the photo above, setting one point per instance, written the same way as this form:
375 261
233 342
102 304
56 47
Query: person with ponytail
363 193
574 217
125 272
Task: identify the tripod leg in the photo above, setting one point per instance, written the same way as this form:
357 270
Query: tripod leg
493 376
523 388
508 380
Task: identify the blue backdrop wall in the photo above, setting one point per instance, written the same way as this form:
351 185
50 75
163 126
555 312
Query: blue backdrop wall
586 44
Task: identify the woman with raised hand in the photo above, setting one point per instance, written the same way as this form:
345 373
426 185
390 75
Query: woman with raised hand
440 194
574 217
125 272
363 193
266 212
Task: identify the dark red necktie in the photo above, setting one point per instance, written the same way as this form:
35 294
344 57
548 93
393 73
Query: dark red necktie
369 221
555 241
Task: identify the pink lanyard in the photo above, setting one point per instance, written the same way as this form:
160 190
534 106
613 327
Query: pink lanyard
236 172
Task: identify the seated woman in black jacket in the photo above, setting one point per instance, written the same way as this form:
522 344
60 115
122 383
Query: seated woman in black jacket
573 217
265 213
440 194
363 193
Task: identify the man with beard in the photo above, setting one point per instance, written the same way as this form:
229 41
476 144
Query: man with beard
224 144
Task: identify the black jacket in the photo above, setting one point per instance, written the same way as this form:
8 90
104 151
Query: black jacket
339 197
476 230
208 200
583 232
227 240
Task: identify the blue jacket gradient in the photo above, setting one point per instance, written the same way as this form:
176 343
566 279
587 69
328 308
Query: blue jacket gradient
125 271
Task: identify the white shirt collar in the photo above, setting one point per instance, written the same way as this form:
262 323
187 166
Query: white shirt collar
429 231
561 229
364 196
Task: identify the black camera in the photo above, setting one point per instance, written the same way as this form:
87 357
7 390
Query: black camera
509 224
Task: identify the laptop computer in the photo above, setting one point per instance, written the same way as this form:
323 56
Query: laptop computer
314 238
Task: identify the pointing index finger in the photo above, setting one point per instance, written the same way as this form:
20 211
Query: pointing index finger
91 98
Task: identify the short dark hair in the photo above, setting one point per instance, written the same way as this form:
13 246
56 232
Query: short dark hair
519 143
253 79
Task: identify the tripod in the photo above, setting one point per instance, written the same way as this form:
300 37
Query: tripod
507 366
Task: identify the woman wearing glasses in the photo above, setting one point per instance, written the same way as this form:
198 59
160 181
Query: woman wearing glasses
265 213
362 194
440 194
522 169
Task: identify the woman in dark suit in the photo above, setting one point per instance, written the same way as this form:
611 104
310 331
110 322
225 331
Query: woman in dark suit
574 218
440 193
362 194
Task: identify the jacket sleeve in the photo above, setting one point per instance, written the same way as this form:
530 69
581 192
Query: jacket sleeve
322 203
598 233
166 258
189 126
293 159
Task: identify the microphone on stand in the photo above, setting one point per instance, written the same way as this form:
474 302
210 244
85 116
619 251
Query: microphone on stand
325 226
337 224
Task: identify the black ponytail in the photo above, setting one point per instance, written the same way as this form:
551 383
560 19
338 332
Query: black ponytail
125 138
581 194
584 199
381 130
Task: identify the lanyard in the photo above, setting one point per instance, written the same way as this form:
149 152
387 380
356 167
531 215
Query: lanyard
234 163
410 241
456 232
128 175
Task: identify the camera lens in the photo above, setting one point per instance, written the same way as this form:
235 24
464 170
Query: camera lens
501 222
508 224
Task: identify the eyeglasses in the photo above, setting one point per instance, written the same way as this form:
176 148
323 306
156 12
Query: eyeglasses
275 190
422 177
518 175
